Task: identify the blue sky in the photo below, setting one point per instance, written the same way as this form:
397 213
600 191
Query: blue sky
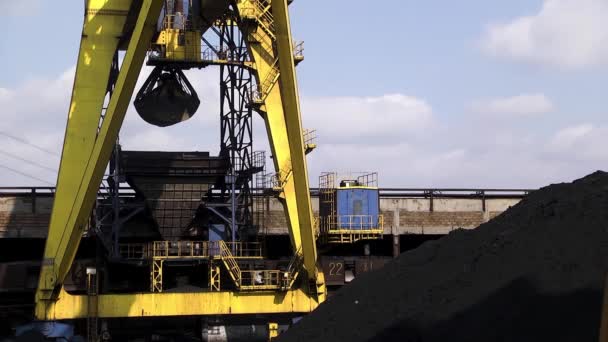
428 93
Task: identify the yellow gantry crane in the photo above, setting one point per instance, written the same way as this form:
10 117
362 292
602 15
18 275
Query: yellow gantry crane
100 97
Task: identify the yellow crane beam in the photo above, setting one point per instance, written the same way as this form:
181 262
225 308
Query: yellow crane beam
69 306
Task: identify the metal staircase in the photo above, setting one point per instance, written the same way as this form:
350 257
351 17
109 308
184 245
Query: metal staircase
293 270
264 17
230 262
261 13
269 81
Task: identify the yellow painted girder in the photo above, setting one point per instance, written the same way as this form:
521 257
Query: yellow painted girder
181 304
281 113
86 151
293 123
103 23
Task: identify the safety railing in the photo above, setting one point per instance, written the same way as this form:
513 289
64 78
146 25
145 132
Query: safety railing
327 181
253 164
261 91
261 14
341 223
350 228
261 279
310 136
264 13
176 21
167 250
248 250
180 249
127 192
275 181
272 279
293 269
280 179
369 179
231 264
298 49
258 159
218 54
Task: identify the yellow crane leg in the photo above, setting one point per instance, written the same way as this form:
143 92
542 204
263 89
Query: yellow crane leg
298 183
182 304
86 150
281 112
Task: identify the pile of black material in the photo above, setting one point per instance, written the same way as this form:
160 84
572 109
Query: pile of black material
535 273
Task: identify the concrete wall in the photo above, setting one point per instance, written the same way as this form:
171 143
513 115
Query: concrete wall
409 215
28 217
24 216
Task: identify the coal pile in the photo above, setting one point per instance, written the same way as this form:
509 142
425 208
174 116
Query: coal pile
535 273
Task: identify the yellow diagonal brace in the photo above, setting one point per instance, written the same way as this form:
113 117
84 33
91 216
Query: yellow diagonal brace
81 173
291 107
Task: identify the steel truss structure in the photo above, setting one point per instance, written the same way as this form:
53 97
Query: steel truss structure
236 119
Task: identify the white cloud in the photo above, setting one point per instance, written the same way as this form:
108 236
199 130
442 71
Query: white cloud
399 136
19 8
582 143
564 33
568 136
5 94
521 105
36 112
370 119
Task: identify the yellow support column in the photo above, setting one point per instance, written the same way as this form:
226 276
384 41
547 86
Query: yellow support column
156 276
293 124
280 109
103 23
214 277
86 149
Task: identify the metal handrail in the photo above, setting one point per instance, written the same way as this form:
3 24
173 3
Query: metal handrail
384 192
310 136
187 249
260 278
335 223
298 49
169 22
369 179
218 53
245 249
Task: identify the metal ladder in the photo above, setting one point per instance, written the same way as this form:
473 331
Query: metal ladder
92 305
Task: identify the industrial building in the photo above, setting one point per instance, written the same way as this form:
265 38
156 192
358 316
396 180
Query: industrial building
166 246
411 216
